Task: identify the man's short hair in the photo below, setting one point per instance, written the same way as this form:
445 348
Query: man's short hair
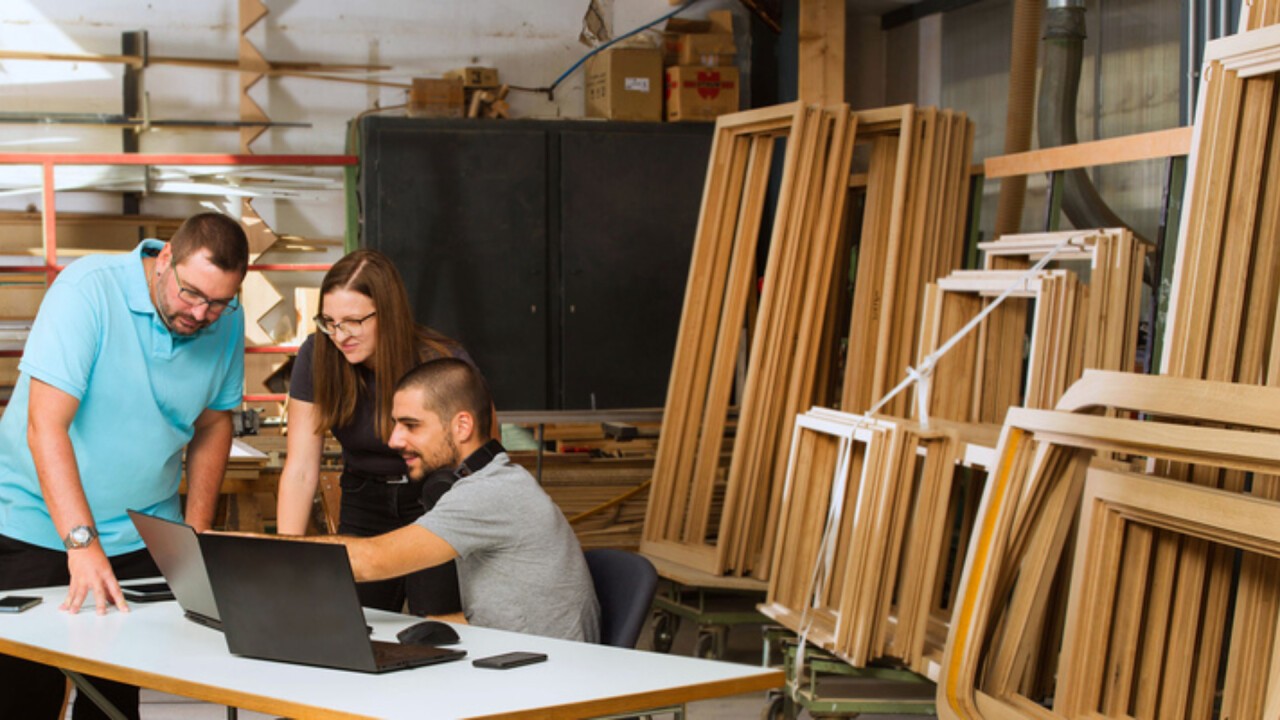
450 386
222 236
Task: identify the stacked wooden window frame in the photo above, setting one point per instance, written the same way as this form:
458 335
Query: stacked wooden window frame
1002 654
912 233
1120 508
1224 310
916 190
689 474
1074 325
860 481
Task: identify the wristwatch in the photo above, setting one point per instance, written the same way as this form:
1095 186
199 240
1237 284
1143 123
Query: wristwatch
80 537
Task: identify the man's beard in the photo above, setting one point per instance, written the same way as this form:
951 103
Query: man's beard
169 319
448 460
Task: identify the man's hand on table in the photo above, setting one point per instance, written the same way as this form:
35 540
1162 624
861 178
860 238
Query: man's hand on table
91 572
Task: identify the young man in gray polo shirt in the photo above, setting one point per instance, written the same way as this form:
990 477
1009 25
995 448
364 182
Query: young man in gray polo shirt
520 566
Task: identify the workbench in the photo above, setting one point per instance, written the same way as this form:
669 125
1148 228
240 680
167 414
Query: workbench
154 646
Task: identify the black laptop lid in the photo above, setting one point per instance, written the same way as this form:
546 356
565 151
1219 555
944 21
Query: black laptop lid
176 549
288 600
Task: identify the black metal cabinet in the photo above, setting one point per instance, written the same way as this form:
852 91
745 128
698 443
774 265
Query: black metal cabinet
557 252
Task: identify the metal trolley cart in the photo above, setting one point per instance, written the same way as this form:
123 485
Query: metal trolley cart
828 687
715 603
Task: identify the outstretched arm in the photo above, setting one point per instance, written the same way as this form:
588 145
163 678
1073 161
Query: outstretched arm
49 416
301 472
207 455
393 554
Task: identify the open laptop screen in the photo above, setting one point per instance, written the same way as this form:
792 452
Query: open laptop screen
296 602
175 547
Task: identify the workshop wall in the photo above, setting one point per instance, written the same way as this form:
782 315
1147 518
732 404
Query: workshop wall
531 43
1129 84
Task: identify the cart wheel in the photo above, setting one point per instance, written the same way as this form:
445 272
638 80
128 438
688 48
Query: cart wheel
705 646
712 642
665 626
779 707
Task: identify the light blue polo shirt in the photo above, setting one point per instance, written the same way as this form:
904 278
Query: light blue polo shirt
98 337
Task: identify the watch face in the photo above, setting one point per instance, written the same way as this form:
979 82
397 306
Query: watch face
80 536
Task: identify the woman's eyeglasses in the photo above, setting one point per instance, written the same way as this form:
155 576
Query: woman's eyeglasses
351 328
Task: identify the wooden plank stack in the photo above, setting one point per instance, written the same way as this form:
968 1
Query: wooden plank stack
604 498
917 181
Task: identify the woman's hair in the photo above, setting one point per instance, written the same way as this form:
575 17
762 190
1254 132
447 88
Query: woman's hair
400 344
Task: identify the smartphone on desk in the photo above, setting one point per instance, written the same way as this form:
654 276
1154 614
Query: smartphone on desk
18 603
509 660
147 592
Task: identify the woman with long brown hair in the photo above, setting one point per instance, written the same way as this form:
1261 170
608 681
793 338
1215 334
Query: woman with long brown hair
343 380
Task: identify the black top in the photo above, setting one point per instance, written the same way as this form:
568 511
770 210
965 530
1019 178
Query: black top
362 450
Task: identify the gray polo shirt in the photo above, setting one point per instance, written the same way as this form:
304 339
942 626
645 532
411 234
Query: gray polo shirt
519 564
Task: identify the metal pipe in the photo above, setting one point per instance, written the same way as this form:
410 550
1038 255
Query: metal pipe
1059 86
1193 63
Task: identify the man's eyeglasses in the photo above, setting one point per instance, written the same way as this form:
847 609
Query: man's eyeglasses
352 328
195 298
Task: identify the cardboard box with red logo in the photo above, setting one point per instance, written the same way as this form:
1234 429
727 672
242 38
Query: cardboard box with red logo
700 94
625 84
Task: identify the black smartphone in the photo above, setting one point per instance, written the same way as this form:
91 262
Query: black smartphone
147 592
18 603
509 660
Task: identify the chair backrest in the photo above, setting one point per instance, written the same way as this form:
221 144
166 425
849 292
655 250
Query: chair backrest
625 583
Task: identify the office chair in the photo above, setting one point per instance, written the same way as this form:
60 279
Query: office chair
625 583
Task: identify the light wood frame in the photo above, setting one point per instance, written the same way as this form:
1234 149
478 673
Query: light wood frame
1026 514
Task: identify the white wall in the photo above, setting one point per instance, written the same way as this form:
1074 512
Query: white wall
530 43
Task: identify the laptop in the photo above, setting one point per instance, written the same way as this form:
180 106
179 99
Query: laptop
296 602
176 549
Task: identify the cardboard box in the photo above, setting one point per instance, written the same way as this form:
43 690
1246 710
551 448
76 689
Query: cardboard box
625 84
708 49
721 21
700 42
436 97
475 77
696 93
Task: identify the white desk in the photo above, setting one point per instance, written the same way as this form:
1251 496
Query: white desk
155 647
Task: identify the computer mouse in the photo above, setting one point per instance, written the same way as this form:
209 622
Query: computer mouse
428 632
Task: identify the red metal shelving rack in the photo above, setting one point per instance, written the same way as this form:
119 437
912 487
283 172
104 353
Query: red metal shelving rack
49 161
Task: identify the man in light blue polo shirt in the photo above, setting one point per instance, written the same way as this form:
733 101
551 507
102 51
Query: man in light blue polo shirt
131 359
